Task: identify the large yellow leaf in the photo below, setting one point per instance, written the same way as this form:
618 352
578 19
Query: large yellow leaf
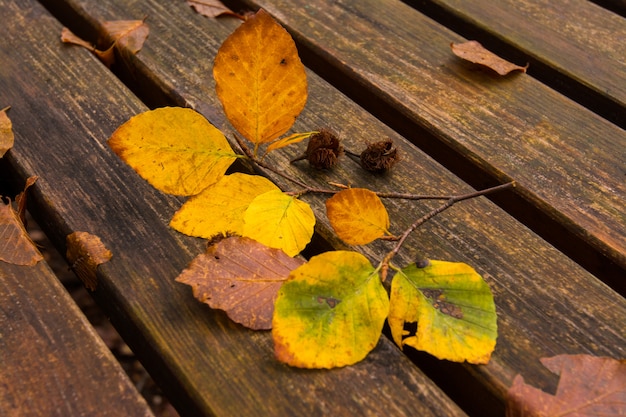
260 79
453 308
220 207
279 221
357 215
330 312
175 149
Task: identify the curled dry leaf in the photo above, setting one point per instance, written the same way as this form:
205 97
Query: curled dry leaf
6 132
474 52
84 253
588 386
21 199
16 247
211 8
241 277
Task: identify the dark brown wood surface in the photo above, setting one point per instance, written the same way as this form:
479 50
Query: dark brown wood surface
574 45
547 304
567 161
52 361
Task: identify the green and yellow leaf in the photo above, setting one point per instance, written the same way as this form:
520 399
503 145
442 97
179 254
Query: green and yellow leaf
175 149
279 221
453 308
330 312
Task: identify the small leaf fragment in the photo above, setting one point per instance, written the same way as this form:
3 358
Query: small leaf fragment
453 308
474 52
16 247
330 312
588 386
211 8
241 277
6 132
20 199
230 197
279 221
84 253
260 79
67 36
175 149
288 140
357 215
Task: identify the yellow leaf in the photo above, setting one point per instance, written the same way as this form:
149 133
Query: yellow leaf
260 79
330 312
288 140
175 149
357 215
279 221
6 132
453 308
220 207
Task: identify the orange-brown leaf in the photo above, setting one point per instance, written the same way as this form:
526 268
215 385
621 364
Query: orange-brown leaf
241 277
588 386
211 8
67 36
16 247
6 132
20 199
84 253
260 79
474 52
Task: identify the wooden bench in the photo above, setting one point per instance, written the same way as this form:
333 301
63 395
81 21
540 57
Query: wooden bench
550 284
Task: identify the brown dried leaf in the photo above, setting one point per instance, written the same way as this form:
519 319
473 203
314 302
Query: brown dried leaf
16 247
589 386
474 52
68 37
6 132
84 253
21 199
241 277
211 8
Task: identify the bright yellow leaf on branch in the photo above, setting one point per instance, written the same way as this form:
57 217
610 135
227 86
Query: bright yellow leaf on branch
357 215
453 308
330 312
279 221
175 149
220 207
260 79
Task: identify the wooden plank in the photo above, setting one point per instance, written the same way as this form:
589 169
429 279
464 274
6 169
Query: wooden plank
567 162
573 45
64 107
52 362
547 304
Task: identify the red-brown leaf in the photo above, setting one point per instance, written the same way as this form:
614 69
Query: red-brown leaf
474 52
16 247
211 8
84 253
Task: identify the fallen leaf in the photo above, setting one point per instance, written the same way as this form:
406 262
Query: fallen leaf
288 140
6 132
453 308
175 149
588 386
357 215
84 253
474 52
260 79
67 36
211 8
330 312
279 221
16 247
227 200
20 199
241 277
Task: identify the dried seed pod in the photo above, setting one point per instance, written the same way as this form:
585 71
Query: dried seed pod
323 150
380 156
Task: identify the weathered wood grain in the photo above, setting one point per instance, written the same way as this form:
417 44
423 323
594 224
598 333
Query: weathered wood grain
567 161
64 106
52 362
574 45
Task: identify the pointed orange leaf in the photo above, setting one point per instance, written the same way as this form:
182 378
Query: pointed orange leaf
357 215
241 277
260 79
6 132
175 149
288 140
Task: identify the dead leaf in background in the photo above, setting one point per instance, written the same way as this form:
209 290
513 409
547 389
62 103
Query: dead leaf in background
16 247
588 386
241 277
211 8
474 52
84 253
67 36
6 132
20 199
